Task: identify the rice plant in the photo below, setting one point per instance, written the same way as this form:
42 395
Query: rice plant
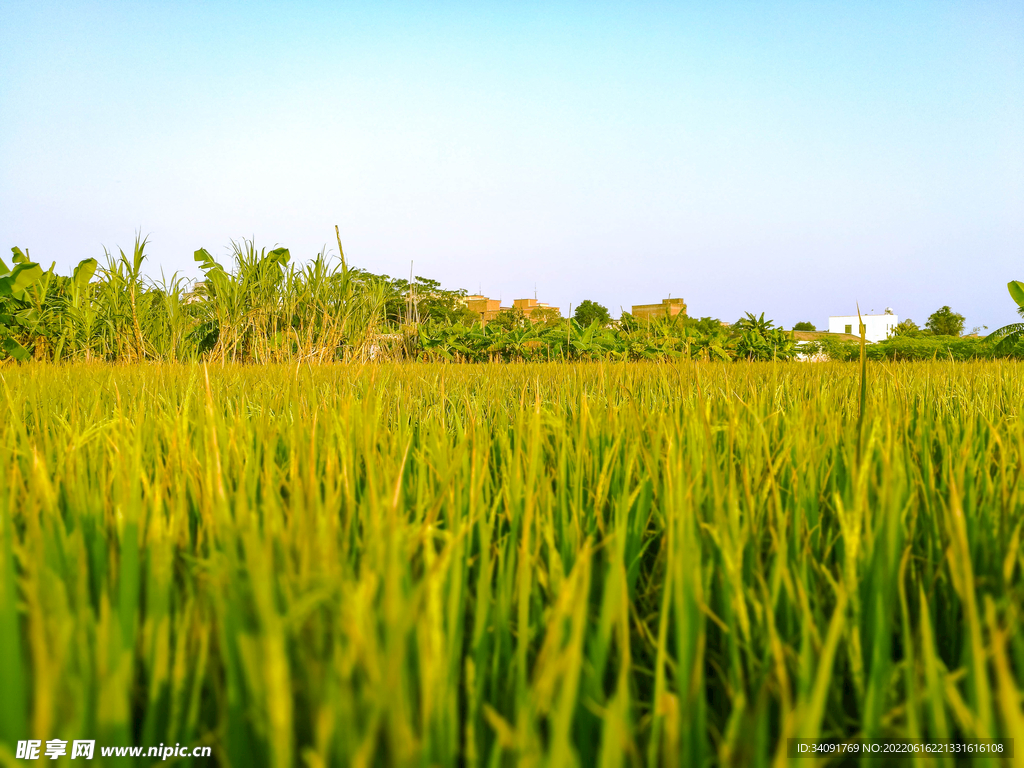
542 564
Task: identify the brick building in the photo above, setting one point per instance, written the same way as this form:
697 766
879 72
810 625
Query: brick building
529 306
488 309
666 308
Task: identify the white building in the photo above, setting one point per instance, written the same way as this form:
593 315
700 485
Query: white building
876 327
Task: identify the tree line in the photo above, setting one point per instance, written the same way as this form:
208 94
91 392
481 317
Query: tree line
261 307
942 322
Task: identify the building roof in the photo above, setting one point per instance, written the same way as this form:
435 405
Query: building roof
817 335
863 315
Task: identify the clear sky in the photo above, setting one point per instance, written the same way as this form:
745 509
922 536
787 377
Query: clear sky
792 158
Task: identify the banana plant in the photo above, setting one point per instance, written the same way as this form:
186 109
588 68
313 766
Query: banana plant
442 341
583 342
46 311
1014 332
713 346
517 343
477 340
759 339
751 322
17 317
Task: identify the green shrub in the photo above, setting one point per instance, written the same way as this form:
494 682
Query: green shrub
931 347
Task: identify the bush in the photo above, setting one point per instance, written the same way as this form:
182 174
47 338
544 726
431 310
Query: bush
834 349
931 347
707 325
914 348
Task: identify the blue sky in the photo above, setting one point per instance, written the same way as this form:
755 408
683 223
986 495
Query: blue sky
792 158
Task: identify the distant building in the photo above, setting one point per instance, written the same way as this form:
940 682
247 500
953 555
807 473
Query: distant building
197 292
876 327
667 308
488 309
529 306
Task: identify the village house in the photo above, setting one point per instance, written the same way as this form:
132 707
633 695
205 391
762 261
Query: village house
876 327
488 309
529 306
666 308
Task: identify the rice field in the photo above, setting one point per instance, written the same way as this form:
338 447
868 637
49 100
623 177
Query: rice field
613 564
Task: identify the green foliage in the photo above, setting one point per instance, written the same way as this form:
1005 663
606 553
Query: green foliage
759 339
804 326
1010 335
909 348
755 323
513 337
1016 289
16 317
581 564
906 328
549 317
945 322
629 323
589 312
423 300
260 308
830 348
41 312
511 319
932 347
703 325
